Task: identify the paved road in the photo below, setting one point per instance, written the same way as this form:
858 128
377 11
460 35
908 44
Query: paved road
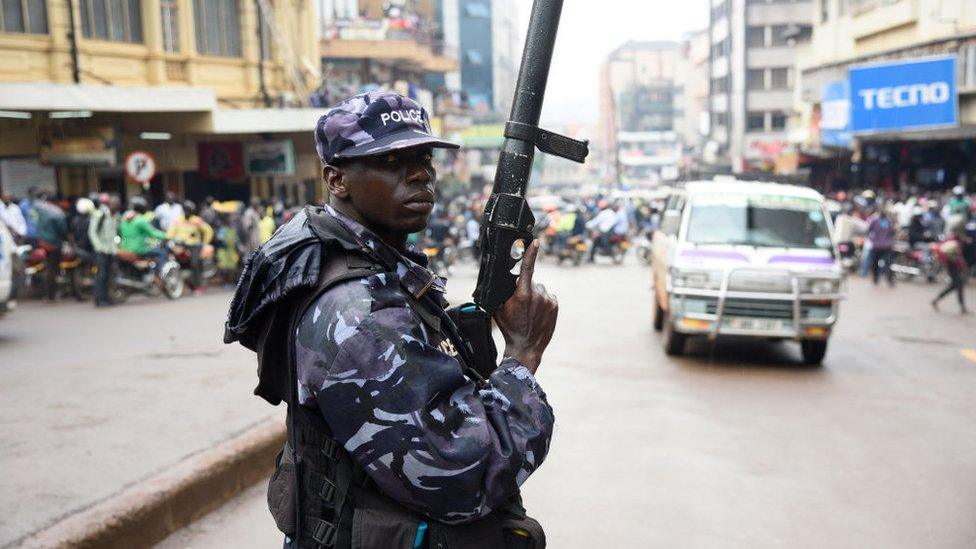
736 446
733 447
93 400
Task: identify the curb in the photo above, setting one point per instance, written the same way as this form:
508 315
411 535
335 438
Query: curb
145 513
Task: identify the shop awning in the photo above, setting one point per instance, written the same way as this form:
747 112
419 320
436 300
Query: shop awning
45 96
228 121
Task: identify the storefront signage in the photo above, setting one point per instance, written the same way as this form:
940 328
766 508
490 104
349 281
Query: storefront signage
835 115
221 160
79 147
904 95
270 158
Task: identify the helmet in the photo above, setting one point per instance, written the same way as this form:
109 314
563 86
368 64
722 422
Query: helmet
869 194
84 206
958 190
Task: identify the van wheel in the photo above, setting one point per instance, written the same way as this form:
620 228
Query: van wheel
657 320
674 342
813 351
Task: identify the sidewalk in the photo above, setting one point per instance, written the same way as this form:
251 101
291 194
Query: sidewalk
96 400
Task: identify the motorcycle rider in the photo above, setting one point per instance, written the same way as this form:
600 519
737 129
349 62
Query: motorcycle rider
192 232
52 230
136 230
602 225
881 234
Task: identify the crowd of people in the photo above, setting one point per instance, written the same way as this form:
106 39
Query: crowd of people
101 234
936 231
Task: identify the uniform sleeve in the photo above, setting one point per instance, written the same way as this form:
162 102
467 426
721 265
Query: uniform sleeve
428 436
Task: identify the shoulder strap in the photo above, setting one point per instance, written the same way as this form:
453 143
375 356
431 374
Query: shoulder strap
340 266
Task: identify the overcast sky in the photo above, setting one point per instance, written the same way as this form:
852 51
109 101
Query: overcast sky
589 30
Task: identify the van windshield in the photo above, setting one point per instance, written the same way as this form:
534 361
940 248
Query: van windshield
757 220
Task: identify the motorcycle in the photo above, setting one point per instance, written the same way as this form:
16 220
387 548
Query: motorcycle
440 258
643 247
573 250
919 262
184 257
135 273
75 276
614 246
850 256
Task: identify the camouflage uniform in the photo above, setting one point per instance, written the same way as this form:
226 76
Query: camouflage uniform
396 397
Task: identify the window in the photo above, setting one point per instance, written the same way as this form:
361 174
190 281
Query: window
170 17
756 37
778 121
24 16
756 121
720 85
756 79
115 20
477 10
779 78
218 27
777 38
720 119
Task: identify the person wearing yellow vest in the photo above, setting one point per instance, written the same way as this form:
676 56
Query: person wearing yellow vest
191 231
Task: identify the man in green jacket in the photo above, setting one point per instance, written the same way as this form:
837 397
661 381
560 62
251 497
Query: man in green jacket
136 229
102 231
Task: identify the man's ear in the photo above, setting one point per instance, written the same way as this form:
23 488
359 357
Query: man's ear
334 183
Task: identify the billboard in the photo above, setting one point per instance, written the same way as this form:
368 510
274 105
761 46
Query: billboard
835 114
904 95
269 158
221 160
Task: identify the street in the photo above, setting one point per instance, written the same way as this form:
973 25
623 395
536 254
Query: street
733 446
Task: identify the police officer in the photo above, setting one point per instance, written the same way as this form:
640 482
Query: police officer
394 439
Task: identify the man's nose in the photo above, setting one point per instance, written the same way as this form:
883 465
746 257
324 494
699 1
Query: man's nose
418 173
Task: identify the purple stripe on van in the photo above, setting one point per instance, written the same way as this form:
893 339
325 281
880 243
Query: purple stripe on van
714 254
808 260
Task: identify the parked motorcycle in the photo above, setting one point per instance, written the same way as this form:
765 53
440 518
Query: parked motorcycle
135 274
75 276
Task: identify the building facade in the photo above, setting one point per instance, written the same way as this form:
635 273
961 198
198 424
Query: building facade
641 91
202 87
752 56
888 94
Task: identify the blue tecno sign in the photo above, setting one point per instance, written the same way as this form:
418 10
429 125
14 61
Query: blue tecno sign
902 95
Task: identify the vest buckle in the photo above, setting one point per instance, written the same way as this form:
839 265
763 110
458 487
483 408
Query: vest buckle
328 492
324 533
332 450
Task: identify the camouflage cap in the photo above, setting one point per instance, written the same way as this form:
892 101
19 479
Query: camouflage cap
373 123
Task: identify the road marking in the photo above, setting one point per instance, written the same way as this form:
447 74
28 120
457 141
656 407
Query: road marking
969 353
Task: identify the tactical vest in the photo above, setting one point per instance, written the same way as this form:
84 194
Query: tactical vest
318 495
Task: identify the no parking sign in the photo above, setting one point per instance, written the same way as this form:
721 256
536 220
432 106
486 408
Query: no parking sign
140 166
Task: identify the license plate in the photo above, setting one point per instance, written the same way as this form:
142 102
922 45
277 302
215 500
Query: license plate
756 324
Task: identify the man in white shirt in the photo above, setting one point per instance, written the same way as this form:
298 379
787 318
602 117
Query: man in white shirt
168 212
12 217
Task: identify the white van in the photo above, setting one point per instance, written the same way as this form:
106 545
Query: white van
735 258
7 251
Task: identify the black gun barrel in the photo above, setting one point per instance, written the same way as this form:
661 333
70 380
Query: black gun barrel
508 221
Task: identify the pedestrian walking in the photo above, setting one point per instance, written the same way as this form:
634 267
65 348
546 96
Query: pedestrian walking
102 232
950 254
881 234
387 420
251 226
13 218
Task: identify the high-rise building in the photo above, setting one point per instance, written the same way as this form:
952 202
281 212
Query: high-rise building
752 53
641 84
